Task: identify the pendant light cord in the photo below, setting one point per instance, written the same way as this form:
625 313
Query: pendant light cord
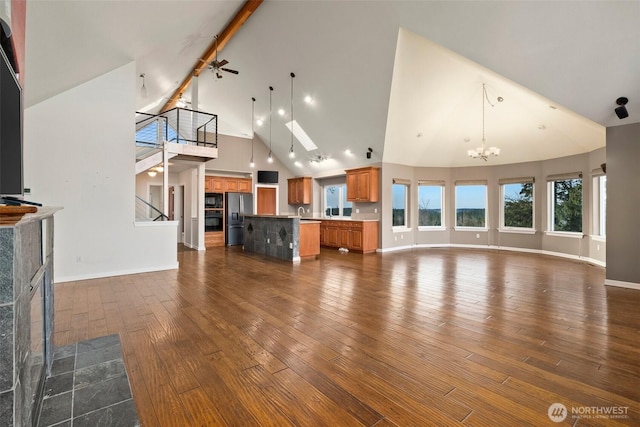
292 77
253 119
270 92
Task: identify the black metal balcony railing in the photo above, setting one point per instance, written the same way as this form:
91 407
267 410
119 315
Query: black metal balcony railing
145 211
178 125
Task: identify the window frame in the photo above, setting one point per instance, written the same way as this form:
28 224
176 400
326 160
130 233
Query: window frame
551 180
342 195
407 188
599 206
502 228
476 183
442 186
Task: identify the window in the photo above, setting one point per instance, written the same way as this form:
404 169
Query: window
565 203
399 204
430 203
471 205
516 203
335 201
600 205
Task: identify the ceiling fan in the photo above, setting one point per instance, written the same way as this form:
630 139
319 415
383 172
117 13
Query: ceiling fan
216 66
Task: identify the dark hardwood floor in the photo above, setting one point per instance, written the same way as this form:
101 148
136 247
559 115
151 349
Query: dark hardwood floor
412 338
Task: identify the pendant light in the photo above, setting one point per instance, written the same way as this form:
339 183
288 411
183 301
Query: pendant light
483 152
291 152
270 158
143 89
253 105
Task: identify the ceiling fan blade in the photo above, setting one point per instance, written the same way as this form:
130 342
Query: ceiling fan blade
228 70
223 63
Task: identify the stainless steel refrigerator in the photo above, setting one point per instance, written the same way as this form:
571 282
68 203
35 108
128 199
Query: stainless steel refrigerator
235 206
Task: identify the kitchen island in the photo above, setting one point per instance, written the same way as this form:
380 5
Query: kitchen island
282 236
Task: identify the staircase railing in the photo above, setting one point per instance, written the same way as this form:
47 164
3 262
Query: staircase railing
145 211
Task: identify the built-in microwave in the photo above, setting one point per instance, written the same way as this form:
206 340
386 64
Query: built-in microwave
213 200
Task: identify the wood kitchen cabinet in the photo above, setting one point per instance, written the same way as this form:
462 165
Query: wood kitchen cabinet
218 184
363 184
357 236
299 190
244 185
331 237
208 184
309 239
223 184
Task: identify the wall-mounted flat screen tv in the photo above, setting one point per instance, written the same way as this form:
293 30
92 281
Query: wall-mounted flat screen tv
267 177
11 164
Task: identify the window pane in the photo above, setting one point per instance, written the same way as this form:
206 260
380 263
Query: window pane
567 205
518 205
471 203
430 205
332 200
399 204
346 206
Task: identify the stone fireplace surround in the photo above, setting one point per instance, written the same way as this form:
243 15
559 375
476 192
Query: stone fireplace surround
26 312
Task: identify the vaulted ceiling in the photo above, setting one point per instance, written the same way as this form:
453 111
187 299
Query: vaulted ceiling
402 78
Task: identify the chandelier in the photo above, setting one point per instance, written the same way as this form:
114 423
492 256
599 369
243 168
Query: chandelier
483 152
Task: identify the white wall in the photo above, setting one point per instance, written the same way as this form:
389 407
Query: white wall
80 154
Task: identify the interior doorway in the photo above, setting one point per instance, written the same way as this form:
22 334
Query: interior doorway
172 204
155 199
267 200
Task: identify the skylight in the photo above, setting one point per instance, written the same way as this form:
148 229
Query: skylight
301 135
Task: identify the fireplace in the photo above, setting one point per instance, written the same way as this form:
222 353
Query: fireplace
26 316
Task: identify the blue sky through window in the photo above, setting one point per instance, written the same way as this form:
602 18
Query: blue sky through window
430 197
398 196
471 196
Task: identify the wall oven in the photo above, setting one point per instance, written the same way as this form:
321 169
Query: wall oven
213 221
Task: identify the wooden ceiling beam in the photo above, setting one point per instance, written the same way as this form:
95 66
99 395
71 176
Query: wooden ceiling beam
229 31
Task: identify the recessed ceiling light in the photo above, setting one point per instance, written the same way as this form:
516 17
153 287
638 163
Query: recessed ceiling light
308 99
467 139
281 112
348 152
419 135
298 164
259 122
553 107
541 127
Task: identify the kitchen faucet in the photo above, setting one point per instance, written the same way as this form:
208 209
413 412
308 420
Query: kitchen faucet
301 207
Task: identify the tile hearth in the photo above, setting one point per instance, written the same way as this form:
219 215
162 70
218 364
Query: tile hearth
89 386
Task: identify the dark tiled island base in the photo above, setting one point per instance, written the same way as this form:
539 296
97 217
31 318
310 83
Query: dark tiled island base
89 386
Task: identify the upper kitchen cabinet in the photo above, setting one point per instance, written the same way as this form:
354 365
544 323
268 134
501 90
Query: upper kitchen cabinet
363 184
299 190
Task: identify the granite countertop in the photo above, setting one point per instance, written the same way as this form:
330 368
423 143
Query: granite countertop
272 216
340 219
309 218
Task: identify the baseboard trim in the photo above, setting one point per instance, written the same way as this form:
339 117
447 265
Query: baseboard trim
500 248
115 273
621 284
395 248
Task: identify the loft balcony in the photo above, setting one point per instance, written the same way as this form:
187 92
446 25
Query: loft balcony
181 133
